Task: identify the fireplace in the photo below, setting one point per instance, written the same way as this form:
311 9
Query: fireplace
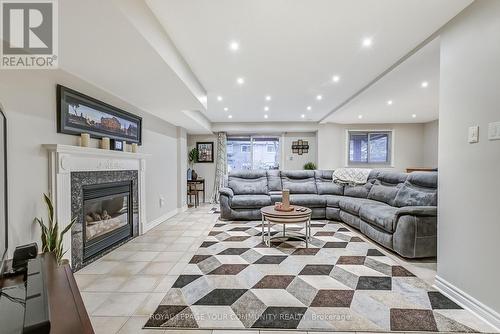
106 205
107 216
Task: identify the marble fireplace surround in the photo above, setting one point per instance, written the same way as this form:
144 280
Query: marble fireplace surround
66 159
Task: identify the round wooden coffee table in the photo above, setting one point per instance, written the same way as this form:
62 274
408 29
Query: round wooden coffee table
272 216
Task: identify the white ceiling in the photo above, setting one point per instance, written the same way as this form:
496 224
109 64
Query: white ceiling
109 51
402 86
291 49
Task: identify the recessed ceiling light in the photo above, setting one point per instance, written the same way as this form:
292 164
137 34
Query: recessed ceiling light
367 42
266 108
229 116
240 81
319 97
265 116
219 98
268 98
414 115
424 84
234 46
336 78
389 103
360 116
226 108
303 116
309 108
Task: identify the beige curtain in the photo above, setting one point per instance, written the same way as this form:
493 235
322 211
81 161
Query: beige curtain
220 165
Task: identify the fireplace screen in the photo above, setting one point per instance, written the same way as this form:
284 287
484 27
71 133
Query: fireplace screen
107 216
103 215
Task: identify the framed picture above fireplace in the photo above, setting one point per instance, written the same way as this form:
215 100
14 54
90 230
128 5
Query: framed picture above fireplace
78 113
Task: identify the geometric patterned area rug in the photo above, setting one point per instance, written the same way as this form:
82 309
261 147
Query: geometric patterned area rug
340 283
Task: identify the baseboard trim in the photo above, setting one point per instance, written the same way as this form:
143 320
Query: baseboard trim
161 219
468 302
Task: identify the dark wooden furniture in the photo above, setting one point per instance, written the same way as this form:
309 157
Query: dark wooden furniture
420 169
67 311
194 185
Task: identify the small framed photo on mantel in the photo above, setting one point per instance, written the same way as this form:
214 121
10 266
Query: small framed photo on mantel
205 151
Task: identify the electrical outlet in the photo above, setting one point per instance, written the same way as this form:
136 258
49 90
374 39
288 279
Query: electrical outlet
162 201
473 134
494 131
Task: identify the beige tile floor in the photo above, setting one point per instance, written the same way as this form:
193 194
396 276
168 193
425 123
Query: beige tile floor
124 287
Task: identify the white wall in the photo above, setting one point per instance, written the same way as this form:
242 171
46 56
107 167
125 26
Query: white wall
469 182
431 138
408 142
293 160
29 100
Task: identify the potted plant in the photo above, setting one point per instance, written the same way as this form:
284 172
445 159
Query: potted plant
310 166
51 238
193 158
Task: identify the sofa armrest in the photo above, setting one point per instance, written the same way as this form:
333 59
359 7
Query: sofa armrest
420 211
226 192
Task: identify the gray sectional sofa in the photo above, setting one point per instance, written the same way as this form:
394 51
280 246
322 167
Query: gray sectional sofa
397 210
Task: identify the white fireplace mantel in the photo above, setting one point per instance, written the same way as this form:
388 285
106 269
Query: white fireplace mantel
64 159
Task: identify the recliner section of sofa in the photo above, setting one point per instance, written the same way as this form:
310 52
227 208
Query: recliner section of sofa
398 210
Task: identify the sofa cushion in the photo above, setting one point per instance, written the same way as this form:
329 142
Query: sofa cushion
250 201
325 184
424 179
382 216
359 191
274 180
332 201
386 186
420 189
353 204
308 200
248 182
299 181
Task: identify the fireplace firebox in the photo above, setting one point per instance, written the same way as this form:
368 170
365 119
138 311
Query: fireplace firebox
107 216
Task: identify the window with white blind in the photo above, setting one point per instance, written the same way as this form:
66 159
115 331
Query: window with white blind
253 152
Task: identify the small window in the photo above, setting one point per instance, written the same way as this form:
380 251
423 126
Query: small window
371 147
271 148
229 148
245 148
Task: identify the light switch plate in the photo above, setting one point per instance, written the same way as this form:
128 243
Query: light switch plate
473 134
494 131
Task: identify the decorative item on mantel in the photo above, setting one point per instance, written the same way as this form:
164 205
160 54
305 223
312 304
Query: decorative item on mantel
117 145
105 143
84 140
134 147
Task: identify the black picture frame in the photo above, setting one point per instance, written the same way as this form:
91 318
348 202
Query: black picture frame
117 120
5 205
205 151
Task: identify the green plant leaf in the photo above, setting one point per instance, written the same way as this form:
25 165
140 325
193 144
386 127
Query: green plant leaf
67 228
50 209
